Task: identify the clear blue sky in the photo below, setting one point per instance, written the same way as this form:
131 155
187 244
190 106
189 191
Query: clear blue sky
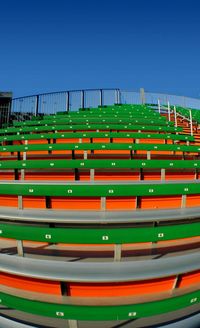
60 45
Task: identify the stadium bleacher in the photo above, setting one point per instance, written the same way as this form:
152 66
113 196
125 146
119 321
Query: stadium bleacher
99 215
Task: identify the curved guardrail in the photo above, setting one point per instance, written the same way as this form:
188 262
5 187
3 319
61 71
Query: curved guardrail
100 272
98 217
72 100
9 323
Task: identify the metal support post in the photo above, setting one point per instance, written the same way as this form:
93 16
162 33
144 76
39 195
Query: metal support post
196 174
116 96
101 97
175 116
72 323
176 281
191 125
183 201
137 202
85 155
20 249
154 247
159 105
37 105
92 172
169 116
24 159
67 101
142 96
117 252
103 203
22 174
162 174
82 99
20 203
119 96
148 154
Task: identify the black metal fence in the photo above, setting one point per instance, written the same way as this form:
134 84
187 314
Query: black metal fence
5 107
50 103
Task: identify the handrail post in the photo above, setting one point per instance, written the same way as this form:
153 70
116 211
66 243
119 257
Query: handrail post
119 94
116 96
82 99
169 116
175 116
159 105
37 105
101 97
191 125
67 101
142 96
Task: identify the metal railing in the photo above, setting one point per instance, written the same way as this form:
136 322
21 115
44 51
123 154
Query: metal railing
50 103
